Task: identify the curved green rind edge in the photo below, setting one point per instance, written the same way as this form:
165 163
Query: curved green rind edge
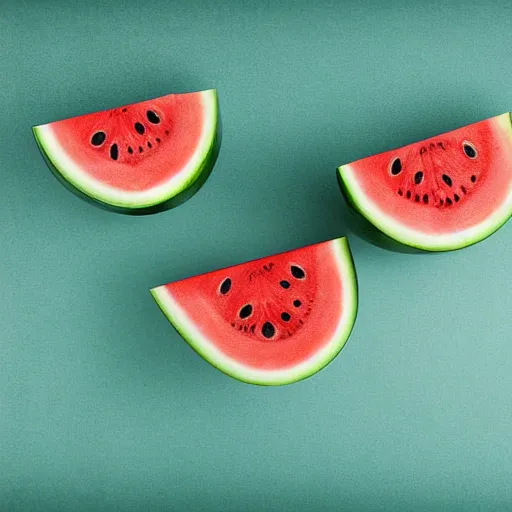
355 204
350 279
360 225
190 188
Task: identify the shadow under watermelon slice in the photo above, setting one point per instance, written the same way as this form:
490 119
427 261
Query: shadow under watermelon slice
137 159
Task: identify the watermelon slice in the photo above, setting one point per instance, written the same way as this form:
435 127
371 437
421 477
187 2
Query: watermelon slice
270 321
443 193
140 158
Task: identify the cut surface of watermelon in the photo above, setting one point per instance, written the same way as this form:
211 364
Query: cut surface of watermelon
270 321
443 193
139 158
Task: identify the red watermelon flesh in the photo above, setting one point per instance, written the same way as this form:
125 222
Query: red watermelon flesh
137 155
443 193
272 320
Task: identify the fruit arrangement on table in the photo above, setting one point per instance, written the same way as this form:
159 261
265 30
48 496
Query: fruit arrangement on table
280 318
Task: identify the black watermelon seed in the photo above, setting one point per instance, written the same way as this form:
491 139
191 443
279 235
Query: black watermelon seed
408 194
98 138
463 189
149 145
449 201
417 198
225 286
418 177
456 197
297 272
158 140
141 149
441 145
285 317
139 128
441 202
297 303
396 167
285 284
470 151
130 150
400 193
473 178
124 109
268 330
152 117
447 180
246 311
425 198
114 152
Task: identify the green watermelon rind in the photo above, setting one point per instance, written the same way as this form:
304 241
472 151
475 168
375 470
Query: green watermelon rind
177 317
170 198
363 205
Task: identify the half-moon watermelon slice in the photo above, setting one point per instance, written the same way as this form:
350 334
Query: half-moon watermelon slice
443 193
270 321
139 158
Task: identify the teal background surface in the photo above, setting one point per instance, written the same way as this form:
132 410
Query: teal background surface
104 407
